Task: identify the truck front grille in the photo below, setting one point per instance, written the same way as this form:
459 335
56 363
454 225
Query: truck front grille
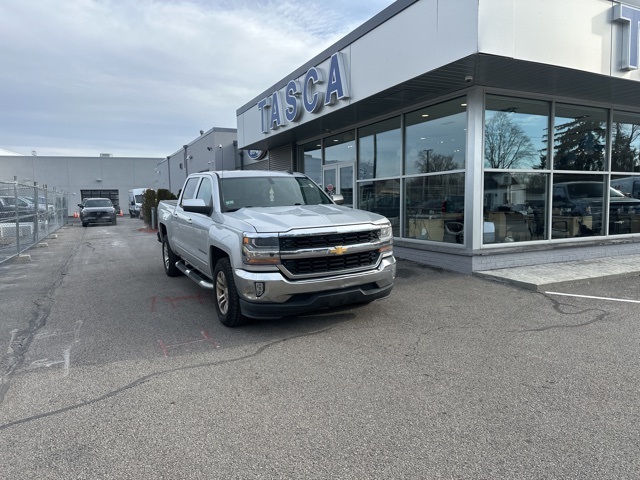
329 240
317 265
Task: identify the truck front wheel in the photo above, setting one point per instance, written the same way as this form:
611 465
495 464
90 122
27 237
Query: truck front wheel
169 259
226 295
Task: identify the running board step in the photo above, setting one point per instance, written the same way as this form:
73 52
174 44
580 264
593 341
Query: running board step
194 275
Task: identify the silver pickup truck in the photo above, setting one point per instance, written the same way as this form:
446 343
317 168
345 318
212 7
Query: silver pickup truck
271 244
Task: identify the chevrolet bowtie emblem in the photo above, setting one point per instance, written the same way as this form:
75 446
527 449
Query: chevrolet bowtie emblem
338 250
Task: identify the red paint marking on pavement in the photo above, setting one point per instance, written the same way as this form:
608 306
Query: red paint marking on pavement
153 304
164 348
170 300
174 302
209 339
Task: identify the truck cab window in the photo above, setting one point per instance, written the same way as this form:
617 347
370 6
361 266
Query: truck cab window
204 192
189 189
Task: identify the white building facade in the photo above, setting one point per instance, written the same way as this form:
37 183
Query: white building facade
492 133
82 177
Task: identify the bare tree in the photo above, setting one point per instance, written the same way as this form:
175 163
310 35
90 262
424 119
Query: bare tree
506 145
428 162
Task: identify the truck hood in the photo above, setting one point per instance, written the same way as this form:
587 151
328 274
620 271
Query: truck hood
283 219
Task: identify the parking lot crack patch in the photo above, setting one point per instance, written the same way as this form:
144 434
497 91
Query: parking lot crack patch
142 380
21 339
595 315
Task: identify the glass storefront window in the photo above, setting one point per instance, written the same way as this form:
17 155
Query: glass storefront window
435 138
382 197
515 133
580 138
380 150
340 148
514 207
624 201
577 208
625 141
435 208
310 160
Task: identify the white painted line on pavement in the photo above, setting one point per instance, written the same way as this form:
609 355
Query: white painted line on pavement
597 298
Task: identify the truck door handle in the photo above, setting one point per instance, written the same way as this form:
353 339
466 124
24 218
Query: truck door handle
189 220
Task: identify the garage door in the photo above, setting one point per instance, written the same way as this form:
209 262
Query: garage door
113 195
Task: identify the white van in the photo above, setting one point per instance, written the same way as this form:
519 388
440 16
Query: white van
136 196
630 186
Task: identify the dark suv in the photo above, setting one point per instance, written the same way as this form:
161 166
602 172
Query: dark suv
97 210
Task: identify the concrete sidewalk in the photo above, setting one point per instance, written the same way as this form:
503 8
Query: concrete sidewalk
540 277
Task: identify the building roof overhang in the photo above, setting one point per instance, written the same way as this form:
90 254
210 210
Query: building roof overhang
482 70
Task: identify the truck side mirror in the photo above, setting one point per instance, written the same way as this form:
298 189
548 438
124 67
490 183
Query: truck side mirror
337 199
196 205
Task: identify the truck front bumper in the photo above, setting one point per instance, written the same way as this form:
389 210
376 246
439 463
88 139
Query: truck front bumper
283 297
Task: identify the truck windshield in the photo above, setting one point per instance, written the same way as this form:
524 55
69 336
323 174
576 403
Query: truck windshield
270 192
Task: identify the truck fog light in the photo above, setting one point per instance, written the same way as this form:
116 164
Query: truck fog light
259 288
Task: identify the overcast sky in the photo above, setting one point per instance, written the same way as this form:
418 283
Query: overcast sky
142 77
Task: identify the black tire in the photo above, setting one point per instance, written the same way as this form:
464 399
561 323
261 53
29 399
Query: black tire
84 224
169 259
225 294
115 222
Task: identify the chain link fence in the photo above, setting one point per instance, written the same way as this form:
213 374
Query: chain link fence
28 213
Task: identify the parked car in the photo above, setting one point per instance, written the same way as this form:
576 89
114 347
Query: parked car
9 208
97 210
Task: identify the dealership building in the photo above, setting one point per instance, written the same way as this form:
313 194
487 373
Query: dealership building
492 133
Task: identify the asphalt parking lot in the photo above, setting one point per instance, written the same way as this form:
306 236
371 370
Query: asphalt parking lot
113 370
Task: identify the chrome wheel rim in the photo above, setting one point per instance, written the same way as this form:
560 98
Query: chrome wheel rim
222 293
165 255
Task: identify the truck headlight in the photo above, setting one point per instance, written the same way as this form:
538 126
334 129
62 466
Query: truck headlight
386 238
260 249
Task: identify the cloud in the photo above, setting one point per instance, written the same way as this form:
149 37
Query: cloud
143 77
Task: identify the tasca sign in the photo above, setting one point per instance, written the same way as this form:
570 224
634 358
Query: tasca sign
629 18
318 89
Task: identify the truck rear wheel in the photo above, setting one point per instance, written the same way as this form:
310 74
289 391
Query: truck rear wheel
169 259
226 294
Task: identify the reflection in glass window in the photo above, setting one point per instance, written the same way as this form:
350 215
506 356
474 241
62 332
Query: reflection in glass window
579 138
310 160
382 197
577 206
380 147
514 207
515 133
625 152
435 208
624 198
436 137
340 148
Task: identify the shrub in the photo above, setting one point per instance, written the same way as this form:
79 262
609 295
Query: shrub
151 199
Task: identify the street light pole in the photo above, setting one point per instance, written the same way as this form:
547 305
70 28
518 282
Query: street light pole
186 166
